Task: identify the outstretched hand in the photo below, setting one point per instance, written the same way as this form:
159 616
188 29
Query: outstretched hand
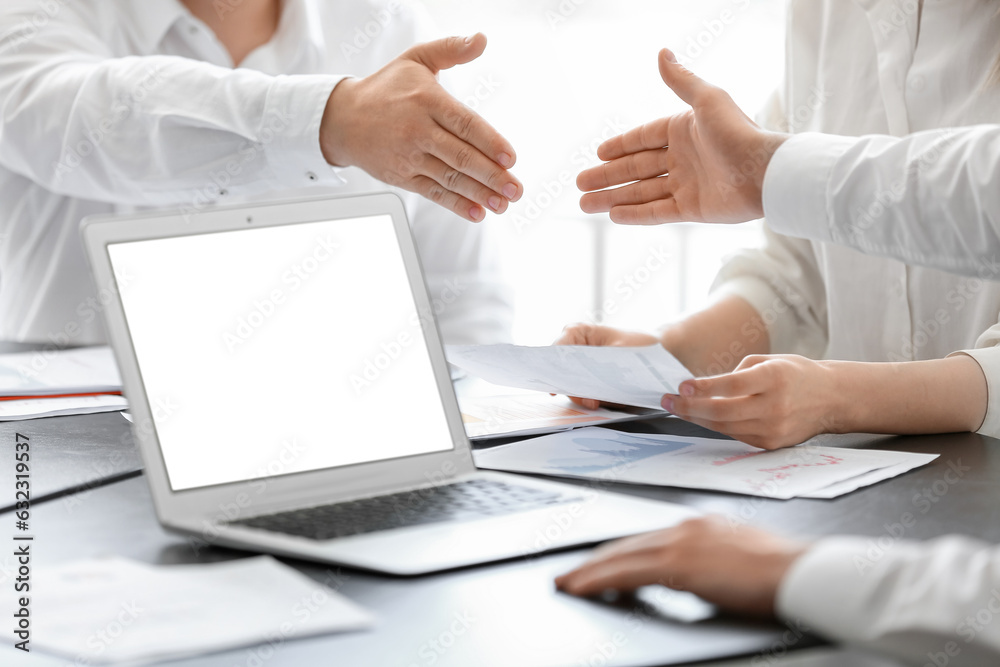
703 165
404 129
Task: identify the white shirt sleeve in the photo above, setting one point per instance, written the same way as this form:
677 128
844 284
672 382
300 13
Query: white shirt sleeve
931 198
987 355
150 130
936 602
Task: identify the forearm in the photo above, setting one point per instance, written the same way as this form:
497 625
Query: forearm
938 396
716 339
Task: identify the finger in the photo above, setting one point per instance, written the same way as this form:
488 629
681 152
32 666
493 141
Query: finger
588 176
442 196
751 429
470 127
467 160
592 335
654 213
643 192
685 83
575 334
588 403
448 52
459 183
646 137
738 383
656 539
718 409
636 167
625 572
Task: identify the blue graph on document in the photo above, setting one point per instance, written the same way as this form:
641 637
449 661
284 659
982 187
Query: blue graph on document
592 454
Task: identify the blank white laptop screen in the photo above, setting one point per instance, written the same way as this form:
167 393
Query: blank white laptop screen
271 351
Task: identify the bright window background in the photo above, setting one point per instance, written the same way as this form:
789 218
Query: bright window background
560 75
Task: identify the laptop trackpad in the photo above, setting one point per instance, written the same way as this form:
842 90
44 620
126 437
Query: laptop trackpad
525 534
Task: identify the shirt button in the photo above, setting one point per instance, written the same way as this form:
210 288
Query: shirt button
311 176
917 83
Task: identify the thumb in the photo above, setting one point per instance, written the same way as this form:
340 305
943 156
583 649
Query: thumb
448 52
685 83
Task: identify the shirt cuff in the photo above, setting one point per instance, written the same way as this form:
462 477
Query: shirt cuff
988 359
821 590
795 185
289 130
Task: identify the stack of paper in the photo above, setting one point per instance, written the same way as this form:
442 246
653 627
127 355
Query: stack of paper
637 376
488 417
36 408
115 610
47 383
806 471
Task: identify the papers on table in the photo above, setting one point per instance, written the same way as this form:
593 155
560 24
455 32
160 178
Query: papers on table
87 370
36 408
50 383
532 414
868 478
637 376
115 610
701 463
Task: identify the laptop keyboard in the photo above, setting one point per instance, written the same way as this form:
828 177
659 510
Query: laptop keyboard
461 501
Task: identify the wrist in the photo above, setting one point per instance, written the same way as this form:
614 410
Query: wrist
780 564
769 143
336 125
846 413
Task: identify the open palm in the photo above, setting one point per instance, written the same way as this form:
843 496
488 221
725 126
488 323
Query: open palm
703 165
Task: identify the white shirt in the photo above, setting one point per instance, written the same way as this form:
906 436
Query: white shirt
862 67
108 106
925 602
930 198
888 68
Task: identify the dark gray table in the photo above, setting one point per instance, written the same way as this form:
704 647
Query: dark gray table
70 454
519 618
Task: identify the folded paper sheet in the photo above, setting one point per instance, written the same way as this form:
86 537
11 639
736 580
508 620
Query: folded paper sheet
532 414
37 408
118 611
637 376
57 372
701 463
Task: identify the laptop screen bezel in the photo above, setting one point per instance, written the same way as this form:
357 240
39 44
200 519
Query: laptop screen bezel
230 501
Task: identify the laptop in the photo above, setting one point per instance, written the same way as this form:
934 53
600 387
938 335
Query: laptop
290 394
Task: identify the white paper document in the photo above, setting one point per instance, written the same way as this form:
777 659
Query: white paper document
115 611
36 408
700 463
48 372
866 479
637 376
532 414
